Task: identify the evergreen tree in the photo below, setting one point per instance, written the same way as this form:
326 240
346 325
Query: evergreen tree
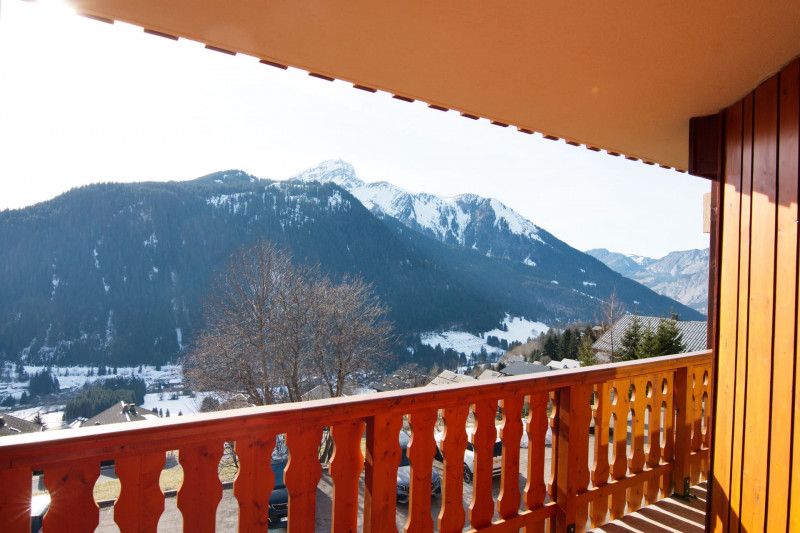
586 354
669 339
647 345
23 399
565 345
550 348
631 340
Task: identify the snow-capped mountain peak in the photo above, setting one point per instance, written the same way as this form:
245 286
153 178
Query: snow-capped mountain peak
462 219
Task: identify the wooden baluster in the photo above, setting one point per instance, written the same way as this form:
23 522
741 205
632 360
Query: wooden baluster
421 449
71 497
15 499
254 482
511 433
637 456
575 413
668 449
654 437
481 508
537 424
302 476
346 465
683 429
598 509
141 502
201 490
619 469
452 516
380 474
696 412
553 422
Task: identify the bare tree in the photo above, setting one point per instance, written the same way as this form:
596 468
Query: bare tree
270 323
236 352
612 310
351 331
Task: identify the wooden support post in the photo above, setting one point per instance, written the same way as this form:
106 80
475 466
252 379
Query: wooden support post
380 472
575 413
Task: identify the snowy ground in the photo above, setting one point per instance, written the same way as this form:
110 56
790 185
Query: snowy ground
519 329
183 404
77 376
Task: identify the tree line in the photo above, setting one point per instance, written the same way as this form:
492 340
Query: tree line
96 398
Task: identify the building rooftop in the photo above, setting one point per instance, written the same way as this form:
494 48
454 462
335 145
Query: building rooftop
11 425
121 412
694 333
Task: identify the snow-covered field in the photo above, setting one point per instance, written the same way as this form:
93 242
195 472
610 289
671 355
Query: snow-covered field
183 404
77 376
519 329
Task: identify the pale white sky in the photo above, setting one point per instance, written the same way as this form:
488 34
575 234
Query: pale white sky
85 102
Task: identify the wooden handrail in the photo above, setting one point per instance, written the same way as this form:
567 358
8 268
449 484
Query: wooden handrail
73 456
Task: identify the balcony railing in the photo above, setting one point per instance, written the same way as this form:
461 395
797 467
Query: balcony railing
663 402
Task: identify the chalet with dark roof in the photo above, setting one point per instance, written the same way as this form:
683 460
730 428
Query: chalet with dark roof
11 425
694 335
121 412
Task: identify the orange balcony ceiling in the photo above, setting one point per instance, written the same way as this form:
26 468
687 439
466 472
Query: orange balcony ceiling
623 76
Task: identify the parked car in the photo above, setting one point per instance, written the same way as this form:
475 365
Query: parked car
404 473
497 452
278 498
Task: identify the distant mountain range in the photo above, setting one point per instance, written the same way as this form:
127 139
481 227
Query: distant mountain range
682 275
116 273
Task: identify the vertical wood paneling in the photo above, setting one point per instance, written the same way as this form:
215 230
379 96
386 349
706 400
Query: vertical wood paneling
201 490
71 497
254 482
728 312
140 501
302 476
760 328
740 391
784 443
756 428
15 499
511 432
481 508
452 516
380 472
421 449
345 469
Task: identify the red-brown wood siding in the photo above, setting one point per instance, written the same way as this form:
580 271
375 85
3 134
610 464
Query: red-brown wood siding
757 407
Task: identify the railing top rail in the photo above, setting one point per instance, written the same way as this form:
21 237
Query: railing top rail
116 440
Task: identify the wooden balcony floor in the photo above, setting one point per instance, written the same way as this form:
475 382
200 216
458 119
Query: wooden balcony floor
667 515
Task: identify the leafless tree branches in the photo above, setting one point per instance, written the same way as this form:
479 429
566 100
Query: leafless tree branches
270 323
